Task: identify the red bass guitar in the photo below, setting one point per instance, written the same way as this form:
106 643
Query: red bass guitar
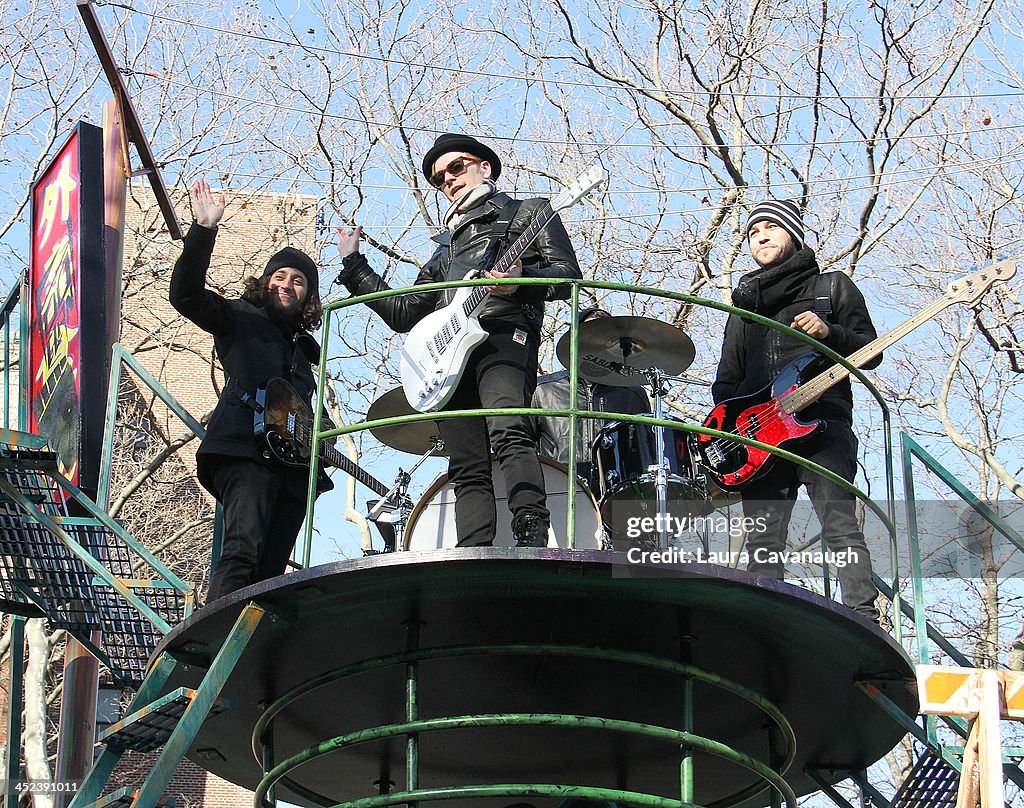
770 415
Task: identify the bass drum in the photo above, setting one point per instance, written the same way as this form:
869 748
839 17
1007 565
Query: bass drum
432 521
626 460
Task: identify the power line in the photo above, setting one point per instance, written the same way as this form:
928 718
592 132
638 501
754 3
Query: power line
1009 158
589 144
530 79
960 168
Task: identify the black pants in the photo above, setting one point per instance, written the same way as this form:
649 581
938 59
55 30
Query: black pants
772 498
502 372
263 511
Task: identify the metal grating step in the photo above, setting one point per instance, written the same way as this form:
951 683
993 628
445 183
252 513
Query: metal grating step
36 567
39 573
931 783
149 728
122 798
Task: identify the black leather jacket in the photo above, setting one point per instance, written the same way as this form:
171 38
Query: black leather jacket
753 354
253 345
550 256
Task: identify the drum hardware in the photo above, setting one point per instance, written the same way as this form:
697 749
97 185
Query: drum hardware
655 379
691 380
612 477
381 511
415 437
640 469
616 350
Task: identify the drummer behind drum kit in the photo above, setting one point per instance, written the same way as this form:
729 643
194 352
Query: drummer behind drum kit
641 469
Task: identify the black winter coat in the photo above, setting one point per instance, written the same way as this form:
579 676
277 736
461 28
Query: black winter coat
552 432
253 344
550 256
754 354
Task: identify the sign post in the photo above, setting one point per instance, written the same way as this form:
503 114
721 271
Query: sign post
984 697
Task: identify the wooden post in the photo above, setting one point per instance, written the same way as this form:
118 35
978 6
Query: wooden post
77 732
984 697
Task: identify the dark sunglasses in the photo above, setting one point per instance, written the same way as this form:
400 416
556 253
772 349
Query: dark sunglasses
455 167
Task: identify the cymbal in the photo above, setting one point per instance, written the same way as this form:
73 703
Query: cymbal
414 438
611 348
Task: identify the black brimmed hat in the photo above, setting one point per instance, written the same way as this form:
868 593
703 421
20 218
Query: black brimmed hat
452 141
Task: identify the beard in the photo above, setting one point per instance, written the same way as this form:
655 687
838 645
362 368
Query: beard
291 307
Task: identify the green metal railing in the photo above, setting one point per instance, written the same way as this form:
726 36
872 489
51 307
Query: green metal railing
886 515
914 612
120 358
778 731
925 631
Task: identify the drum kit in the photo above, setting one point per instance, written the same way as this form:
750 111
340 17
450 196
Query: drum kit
641 468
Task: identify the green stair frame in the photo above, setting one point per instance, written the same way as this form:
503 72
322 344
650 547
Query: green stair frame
197 705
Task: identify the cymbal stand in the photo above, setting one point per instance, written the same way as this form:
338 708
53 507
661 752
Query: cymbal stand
656 379
690 380
398 495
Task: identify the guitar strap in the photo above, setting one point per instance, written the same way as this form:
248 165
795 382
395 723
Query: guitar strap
233 388
824 285
499 233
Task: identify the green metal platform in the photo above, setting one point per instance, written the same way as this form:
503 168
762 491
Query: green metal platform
466 674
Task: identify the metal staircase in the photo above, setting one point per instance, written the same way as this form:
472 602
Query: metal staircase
81 572
170 721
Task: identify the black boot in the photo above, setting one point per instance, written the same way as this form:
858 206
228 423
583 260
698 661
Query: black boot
530 530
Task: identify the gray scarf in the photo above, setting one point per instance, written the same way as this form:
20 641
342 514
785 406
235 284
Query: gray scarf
471 199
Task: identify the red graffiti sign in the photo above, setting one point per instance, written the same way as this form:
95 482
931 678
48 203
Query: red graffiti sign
54 346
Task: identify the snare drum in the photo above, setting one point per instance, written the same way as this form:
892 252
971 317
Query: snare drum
432 521
625 456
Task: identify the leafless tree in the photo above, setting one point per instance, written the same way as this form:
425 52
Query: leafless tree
890 123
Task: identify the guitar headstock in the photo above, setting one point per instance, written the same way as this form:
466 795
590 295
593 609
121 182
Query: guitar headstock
589 180
970 288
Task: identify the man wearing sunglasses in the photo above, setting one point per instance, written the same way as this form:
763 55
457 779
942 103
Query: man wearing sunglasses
480 223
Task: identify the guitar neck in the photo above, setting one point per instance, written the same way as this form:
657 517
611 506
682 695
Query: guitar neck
475 300
332 457
809 392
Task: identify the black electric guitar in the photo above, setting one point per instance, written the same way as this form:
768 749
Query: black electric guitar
770 415
283 425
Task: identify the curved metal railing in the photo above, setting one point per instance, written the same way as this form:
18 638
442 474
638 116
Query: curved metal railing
886 515
779 733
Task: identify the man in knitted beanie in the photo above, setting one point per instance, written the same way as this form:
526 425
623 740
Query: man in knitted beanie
262 335
788 287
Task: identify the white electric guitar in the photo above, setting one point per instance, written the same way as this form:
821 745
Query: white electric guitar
436 350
